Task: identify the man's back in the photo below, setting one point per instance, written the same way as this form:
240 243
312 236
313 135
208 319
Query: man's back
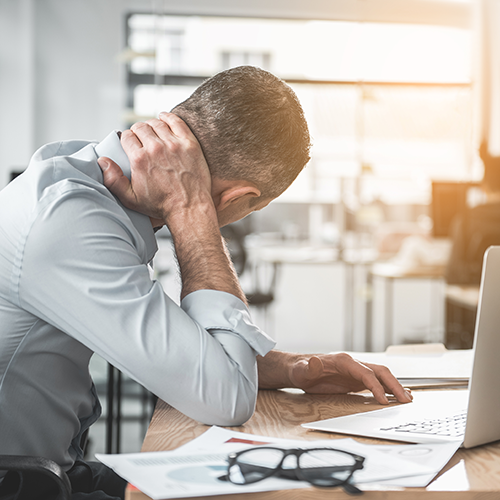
47 398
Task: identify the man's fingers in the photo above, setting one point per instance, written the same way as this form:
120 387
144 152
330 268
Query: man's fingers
116 182
391 384
130 142
372 383
177 125
365 375
161 129
377 378
145 134
165 129
340 373
154 135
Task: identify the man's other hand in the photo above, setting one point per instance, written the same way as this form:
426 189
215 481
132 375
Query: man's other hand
169 173
329 374
340 373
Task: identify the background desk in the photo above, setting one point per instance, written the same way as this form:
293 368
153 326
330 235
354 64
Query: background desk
408 305
471 474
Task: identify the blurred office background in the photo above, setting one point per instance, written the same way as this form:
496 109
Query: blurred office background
398 95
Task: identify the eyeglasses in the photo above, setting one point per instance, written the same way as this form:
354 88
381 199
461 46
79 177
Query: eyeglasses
324 467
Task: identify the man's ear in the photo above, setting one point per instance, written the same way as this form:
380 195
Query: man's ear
231 192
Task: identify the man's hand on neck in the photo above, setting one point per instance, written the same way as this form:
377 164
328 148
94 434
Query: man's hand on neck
171 184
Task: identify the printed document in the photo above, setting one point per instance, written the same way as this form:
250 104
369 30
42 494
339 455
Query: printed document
195 468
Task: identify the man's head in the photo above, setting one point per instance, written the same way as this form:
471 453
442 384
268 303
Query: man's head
253 133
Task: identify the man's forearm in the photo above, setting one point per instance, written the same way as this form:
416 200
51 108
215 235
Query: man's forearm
273 369
202 255
171 183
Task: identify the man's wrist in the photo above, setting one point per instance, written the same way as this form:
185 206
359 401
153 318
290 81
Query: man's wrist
204 261
275 369
202 215
191 229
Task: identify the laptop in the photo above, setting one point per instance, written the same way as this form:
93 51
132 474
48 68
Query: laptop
471 416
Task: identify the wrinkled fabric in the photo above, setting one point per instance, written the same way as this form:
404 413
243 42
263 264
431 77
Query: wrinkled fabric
74 280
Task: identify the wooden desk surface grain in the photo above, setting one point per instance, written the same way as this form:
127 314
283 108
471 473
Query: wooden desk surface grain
470 474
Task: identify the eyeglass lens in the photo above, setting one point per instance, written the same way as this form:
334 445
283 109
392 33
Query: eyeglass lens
255 465
326 467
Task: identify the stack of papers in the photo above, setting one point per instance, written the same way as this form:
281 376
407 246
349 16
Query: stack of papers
422 366
194 469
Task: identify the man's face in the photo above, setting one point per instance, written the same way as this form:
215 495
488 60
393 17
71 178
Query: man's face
239 210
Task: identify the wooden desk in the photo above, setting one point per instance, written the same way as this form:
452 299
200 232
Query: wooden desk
471 474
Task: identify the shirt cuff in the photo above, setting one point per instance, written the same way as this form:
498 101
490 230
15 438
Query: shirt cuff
216 310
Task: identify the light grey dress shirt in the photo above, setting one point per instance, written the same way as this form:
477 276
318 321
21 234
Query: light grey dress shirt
74 280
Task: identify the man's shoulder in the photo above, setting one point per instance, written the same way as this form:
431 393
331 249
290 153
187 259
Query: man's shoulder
58 168
60 148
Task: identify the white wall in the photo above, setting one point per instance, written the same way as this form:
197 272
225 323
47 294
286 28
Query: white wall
16 94
406 311
59 74
59 77
309 313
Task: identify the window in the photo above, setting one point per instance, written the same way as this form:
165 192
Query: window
387 104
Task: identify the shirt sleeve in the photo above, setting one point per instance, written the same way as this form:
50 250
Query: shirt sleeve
217 310
84 272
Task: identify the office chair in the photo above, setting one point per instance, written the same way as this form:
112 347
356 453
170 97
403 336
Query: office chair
477 245
471 238
114 416
235 241
262 296
35 470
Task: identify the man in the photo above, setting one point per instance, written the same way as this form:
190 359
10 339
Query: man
74 278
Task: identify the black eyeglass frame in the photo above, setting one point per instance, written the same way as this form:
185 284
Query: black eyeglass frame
297 472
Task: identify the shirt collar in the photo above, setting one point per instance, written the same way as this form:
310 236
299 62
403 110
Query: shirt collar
111 148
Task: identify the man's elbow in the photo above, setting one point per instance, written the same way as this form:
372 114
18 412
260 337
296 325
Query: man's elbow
238 409
241 415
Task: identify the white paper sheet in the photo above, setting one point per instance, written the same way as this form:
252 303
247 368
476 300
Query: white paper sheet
168 474
435 456
422 361
193 469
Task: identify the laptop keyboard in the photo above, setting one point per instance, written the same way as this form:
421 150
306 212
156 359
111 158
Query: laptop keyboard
453 426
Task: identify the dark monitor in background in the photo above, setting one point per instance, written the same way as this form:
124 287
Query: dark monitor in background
448 200
14 173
